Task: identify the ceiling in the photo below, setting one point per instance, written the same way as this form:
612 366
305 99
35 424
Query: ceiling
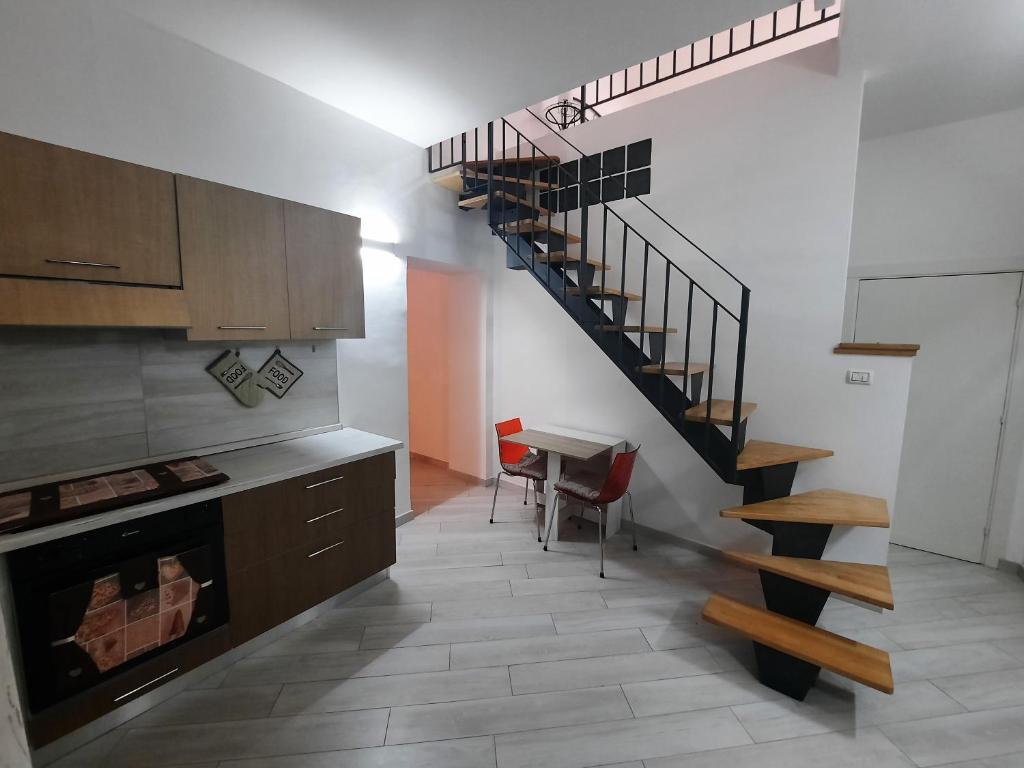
428 70
930 62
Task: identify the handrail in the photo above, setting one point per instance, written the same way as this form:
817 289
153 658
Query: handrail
661 218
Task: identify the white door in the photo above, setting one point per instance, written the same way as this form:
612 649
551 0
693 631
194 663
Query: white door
965 325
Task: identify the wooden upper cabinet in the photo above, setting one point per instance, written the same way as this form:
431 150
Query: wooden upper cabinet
70 214
325 273
233 261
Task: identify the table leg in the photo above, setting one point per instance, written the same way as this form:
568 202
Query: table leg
554 473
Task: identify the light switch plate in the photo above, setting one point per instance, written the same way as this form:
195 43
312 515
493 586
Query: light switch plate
859 377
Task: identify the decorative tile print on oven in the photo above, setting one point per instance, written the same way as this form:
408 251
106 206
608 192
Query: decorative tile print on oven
115 629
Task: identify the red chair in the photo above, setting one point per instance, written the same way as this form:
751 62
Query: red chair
518 461
613 488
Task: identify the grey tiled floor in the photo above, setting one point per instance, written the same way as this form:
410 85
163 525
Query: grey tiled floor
483 651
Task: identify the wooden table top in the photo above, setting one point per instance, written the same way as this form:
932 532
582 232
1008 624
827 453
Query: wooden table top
572 447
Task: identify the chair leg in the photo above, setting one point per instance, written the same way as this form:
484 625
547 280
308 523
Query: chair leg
600 537
536 509
579 518
551 511
632 518
526 490
494 502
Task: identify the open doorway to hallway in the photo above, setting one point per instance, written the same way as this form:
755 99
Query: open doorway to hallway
447 349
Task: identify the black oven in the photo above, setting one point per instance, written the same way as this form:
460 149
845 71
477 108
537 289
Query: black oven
94 605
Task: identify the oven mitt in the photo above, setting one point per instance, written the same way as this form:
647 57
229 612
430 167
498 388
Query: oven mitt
237 378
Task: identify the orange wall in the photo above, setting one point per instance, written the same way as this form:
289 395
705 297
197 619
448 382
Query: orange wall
428 363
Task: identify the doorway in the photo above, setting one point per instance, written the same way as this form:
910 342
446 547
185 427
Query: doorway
965 325
447 335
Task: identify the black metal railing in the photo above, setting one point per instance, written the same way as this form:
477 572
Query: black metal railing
737 40
532 240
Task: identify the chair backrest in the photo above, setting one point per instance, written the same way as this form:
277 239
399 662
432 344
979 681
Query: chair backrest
617 481
510 453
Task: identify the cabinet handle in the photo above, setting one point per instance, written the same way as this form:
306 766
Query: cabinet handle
328 328
325 514
321 551
146 685
325 482
242 327
83 263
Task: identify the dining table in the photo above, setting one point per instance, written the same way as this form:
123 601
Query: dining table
590 453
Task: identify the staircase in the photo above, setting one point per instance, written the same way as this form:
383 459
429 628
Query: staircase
630 298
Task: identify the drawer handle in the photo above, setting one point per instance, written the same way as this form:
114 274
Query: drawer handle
241 327
321 551
328 328
325 482
126 534
146 685
83 263
325 514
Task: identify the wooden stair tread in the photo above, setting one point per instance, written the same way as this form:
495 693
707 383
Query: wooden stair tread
637 329
760 453
721 412
557 257
450 180
861 663
869 583
473 202
521 201
513 160
823 507
595 290
534 225
675 369
470 174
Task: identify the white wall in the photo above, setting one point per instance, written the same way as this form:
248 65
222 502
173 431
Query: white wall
82 75
946 200
759 168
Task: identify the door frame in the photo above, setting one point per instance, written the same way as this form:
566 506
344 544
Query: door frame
853 285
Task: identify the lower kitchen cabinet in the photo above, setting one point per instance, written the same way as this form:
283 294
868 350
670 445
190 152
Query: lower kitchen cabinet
292 545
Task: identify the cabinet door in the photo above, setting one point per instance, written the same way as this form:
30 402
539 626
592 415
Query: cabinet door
233 261
325 273
70 214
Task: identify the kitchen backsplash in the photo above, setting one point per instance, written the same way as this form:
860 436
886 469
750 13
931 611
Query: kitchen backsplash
72 399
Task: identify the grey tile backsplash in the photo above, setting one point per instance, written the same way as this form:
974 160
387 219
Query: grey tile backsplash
73 399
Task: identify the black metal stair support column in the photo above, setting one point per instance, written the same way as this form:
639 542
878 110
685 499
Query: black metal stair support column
767 483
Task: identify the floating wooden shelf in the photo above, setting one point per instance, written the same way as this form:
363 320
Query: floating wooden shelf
888 350
721 412
759 453
869 583
861 663
675 369
824 507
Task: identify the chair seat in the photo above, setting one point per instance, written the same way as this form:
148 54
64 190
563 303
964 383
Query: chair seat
578 489
532 466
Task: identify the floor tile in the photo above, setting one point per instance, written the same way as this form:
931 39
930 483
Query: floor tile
463 631
462 753
262 670
996 603
460 575
831 708
985 690
957 631
686 634
392 593
725 689
433 562
861 749
211 706
182 744
620 740
618 618
957 738
507 715
610 670
927 663
527 650
314 638
1013 646
516 606
379 614
392 691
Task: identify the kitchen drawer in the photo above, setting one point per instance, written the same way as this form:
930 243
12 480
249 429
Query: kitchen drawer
324 528
260 524
345 486
376 546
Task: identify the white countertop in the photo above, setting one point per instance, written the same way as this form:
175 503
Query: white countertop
247 468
